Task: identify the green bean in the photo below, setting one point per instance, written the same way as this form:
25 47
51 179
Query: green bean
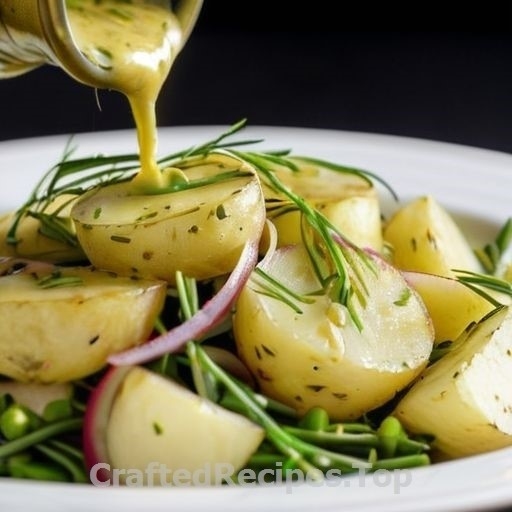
72 451
334 440
232 402
39 435
315 419
406 461
407 446
24 467
58 410
74 468
389 432
350 428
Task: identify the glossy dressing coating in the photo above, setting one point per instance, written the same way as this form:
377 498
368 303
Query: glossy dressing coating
136 43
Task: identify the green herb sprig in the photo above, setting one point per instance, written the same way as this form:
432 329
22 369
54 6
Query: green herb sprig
495 256
335 259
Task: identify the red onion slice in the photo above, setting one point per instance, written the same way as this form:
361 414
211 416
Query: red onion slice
210 315
271 238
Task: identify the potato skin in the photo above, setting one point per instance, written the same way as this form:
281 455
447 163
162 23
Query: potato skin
200 232
349 202
357 217
425 238
66 333
318 357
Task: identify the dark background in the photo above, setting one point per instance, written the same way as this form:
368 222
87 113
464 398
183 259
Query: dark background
422 71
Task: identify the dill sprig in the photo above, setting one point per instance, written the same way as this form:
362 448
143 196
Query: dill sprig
271 287
497 255
336 261
342 277
73 178
57 280
480 282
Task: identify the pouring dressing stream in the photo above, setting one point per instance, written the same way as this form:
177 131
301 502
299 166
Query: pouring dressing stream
109 44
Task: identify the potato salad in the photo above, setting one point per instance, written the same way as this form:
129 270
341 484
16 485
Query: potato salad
252 310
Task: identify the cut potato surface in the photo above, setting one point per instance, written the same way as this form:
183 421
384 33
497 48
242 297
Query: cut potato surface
317 356
357 217
61 323
157 421
425 238
199 231
464 400
32 243
452 305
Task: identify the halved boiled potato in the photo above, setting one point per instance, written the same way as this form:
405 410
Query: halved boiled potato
315 355
425 238
465 399
199 231
61 323
349 202
156 423
31 240
452 305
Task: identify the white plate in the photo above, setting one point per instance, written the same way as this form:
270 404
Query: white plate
473 183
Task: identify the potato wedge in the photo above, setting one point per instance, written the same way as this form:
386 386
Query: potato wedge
356 217
452 305
32 243
200 231
349 202
465 399
425 238
61 323
155 421
314 354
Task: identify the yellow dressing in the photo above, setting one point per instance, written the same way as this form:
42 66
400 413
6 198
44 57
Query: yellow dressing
136 42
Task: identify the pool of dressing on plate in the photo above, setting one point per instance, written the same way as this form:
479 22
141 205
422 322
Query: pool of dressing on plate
136 42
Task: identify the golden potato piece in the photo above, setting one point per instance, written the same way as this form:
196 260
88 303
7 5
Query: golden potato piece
464 399
452 305
425 238
61 324
199 231
349 202
31 242
155 420
315 355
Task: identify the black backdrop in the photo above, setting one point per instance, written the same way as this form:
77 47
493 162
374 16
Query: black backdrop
417 71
